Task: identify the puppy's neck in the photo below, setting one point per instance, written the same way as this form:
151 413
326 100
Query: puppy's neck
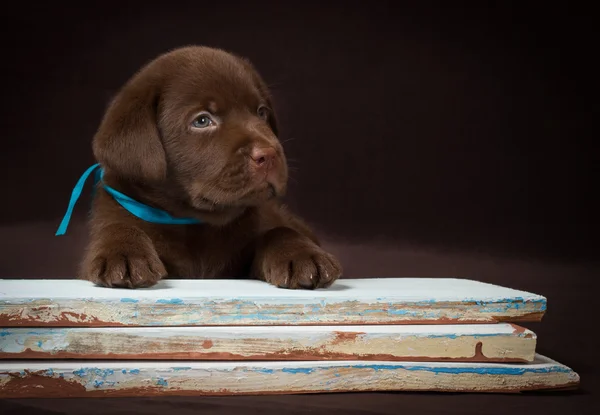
167 196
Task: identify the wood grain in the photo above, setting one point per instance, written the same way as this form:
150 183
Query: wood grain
462 342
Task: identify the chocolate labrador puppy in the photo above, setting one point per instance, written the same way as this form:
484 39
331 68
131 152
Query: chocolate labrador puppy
193 135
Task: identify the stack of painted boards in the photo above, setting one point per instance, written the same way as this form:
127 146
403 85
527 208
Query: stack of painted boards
67 338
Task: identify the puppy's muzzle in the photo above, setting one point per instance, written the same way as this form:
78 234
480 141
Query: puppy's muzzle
263 161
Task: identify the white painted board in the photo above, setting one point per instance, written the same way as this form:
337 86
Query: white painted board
69 303
54 379
461 342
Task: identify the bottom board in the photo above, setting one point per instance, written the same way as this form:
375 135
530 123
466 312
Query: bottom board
477 342
59 379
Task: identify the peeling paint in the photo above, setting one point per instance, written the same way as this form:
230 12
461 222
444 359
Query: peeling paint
201 302
72 378
346 336
500 342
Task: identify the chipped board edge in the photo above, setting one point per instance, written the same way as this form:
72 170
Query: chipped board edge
249 302
477 343
199 312
111 379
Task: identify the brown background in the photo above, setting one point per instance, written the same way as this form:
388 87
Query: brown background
430 140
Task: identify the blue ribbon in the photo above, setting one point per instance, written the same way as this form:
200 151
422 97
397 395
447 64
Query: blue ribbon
140 210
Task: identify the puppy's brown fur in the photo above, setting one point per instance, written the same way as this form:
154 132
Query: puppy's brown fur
194 133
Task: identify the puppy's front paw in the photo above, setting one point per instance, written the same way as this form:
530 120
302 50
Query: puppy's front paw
124 269
292 261
307 268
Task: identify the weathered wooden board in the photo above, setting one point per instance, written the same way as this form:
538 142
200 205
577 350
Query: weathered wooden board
36 303
25 379
462 342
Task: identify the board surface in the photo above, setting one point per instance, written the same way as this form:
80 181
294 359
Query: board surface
27 379
462 342
70 303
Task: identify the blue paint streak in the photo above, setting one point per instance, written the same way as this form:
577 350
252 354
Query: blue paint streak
105 372
504 304
129 300
510 371
81 372
267 371
400 312
4 333
477 370
171 301
162 382
93 371
377 310
179 368
305 370
426 302
254 316
134 371
444 336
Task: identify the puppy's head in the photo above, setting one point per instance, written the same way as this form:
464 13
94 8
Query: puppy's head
200 121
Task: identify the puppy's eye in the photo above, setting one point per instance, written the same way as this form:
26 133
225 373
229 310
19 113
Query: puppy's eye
263 112
202 121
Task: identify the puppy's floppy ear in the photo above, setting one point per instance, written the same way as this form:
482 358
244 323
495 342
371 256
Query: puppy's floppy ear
128 140
265 92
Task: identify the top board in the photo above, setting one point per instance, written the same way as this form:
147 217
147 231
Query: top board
75 303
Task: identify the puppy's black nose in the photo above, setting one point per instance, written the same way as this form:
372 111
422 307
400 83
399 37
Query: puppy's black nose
263 157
